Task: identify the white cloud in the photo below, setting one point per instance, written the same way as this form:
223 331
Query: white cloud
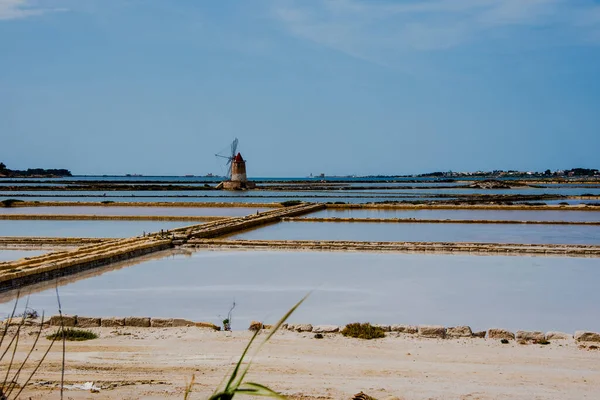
16 9
374 30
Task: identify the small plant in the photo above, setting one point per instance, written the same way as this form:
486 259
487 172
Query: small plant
73 334
318 336
363 331
504 341
29 313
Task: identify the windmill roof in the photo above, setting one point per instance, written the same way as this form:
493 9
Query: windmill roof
239 158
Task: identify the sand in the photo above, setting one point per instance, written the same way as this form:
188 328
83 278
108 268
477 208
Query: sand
154 363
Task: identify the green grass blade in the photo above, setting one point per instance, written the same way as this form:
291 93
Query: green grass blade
260 390
273 330
239 364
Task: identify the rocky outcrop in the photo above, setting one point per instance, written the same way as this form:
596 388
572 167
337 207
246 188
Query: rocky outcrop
480 334
459 332
161 322
586 336
326 329
180 322
67 320
112 322
531 336
558 336
255 326
500 334
88 322
407 329
138 322
207 325
300 327
432 331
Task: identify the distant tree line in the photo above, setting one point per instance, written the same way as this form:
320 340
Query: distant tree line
30 172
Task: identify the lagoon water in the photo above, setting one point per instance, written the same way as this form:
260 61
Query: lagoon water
109 229
496 215
424 232
113 210
530 293
15 254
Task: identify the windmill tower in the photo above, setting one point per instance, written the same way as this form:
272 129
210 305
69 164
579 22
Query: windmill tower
236 170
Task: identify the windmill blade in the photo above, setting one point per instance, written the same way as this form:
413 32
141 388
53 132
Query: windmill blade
234 146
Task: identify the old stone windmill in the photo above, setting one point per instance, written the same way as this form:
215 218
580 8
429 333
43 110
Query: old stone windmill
236 170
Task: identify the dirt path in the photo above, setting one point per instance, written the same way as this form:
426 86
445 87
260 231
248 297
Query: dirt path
154 363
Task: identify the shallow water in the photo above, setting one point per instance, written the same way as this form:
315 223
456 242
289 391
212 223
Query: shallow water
10 254
160 211
220 199
530 293
502 215
110 229
424 232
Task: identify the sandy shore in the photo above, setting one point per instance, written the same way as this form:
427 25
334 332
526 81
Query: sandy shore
154 363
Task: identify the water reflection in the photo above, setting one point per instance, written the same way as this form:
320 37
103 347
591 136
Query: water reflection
423 232
537 293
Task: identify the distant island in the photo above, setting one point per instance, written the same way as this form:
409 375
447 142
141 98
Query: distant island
32 172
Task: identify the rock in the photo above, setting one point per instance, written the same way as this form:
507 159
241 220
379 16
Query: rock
208 325
178 322
326 329
161 322
138 322
500 334
459 331
432 331
386 328
67 320
255 326
530 336
88 322
303 328
480 334
586 336
558 336
112 322
408 329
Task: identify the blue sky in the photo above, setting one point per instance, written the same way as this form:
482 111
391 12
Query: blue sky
308 86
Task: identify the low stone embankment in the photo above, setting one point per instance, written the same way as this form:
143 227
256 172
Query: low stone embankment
111 322
236 224
437 221
36 269
17 273
427 247
16 241
455 332
405 206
